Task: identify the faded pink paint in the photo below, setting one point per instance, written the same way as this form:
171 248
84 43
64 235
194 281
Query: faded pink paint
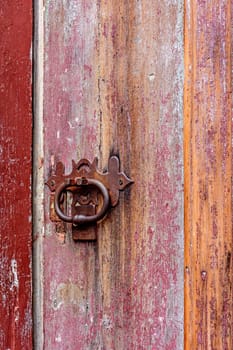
113 84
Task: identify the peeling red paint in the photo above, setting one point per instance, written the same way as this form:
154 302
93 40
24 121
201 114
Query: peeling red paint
113 85
15 174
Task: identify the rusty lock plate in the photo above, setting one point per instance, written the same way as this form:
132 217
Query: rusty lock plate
92 194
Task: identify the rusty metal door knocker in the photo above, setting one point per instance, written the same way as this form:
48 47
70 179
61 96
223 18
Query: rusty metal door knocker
79 218
93 192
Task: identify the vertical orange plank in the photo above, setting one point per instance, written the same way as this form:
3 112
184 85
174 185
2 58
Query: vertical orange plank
208 170
15 174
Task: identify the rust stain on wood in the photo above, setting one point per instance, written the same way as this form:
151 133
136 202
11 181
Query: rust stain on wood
208 171
15 175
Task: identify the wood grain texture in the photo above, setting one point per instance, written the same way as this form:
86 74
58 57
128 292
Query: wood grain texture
15 175
113 85
208 171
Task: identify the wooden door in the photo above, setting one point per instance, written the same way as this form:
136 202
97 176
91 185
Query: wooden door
113 85
148 82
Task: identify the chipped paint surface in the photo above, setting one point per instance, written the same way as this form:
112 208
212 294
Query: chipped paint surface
113 85
15 175
15 281
208 175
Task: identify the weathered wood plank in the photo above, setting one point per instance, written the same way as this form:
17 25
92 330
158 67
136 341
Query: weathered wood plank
113 84
72 293
15 174
208 172
140 61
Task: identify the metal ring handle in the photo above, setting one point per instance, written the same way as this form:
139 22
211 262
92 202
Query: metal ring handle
81 219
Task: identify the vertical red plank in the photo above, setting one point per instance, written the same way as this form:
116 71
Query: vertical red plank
15 174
